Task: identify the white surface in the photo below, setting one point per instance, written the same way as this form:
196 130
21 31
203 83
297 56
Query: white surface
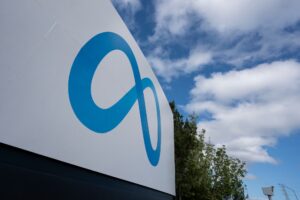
39 41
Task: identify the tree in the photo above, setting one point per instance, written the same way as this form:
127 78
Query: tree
203 172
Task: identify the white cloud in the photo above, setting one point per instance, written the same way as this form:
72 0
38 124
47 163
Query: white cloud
250 108
271 44
168 68
226 20
172 16
250 177
226 15
247 15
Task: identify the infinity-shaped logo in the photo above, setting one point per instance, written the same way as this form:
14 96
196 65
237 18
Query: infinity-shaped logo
102 120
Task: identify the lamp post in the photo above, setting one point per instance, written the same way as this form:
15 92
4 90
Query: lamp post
268 191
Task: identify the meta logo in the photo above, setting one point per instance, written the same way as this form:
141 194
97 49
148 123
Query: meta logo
102 120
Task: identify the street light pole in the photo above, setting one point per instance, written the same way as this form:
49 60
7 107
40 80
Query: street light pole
268 191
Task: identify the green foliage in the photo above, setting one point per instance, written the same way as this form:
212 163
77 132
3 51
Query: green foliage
203 172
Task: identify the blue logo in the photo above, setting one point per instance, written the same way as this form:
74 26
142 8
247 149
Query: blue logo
102 120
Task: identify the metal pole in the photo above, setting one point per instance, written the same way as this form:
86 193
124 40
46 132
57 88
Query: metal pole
270 197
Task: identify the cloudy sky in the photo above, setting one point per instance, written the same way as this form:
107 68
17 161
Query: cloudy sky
236 64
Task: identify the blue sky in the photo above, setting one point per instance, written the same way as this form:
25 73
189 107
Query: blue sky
235 63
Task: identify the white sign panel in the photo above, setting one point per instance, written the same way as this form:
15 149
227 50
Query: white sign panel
75 87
